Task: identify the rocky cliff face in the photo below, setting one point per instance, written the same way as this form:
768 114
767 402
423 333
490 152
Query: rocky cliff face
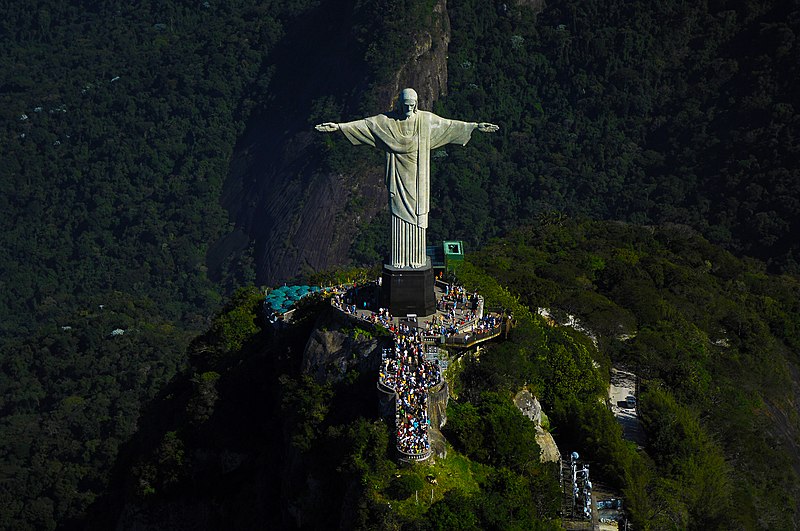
426 67
293 216
339 345
530 407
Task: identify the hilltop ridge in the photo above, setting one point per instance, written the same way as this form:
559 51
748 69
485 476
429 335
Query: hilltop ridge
717 415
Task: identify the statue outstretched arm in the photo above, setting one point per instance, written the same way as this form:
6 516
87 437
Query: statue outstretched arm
327 127
486 127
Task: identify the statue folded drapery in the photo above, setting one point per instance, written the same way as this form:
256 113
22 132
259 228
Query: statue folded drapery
408 136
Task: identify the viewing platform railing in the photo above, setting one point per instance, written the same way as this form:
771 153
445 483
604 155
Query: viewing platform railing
466 341
474 339
415 457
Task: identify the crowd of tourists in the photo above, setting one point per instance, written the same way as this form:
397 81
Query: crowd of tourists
456 297
457 308
340 300
405 370
383 318
457 316
410 375
486 324
466 327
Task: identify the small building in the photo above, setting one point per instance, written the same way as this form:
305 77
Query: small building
446 256
453 254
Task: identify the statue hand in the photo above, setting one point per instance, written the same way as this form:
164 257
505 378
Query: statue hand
485 127
327 127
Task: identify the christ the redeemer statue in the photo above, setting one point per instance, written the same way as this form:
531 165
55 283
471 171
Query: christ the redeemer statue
407 136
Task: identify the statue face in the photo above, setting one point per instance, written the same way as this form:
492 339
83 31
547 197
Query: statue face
408 102
409 107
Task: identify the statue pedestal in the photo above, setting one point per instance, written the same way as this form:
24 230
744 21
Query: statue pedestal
406 290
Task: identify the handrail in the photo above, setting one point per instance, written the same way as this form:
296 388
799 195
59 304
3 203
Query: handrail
385 388
415 457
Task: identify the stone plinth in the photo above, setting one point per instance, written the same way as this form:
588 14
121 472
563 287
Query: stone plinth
406 290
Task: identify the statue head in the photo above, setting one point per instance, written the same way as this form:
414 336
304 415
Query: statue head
408 102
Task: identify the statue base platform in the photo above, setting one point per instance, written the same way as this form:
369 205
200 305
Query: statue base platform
406 290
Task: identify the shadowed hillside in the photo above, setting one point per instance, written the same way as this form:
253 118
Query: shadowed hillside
255 433
158 155
301 197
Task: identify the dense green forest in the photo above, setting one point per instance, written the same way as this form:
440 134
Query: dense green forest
118 123
713 339
244 438
682 112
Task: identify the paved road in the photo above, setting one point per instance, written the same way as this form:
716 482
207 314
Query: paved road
623 383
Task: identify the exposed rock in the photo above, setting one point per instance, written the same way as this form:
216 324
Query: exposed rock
437 412
531 408
437 405
549 449
529 405
426 68
294 218
338 345
438 443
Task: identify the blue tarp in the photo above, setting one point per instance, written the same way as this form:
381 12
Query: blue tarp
283 298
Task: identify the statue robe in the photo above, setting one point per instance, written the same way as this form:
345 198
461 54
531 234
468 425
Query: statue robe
408 146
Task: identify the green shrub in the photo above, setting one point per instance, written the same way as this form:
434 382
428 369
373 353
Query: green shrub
404 486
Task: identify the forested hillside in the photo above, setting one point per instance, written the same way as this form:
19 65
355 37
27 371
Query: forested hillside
715 341
683 112
245 437
118 121
118 126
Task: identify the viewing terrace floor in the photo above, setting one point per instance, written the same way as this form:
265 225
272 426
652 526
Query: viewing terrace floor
466 335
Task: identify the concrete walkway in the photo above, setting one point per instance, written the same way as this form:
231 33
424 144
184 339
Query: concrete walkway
465 338
623 384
